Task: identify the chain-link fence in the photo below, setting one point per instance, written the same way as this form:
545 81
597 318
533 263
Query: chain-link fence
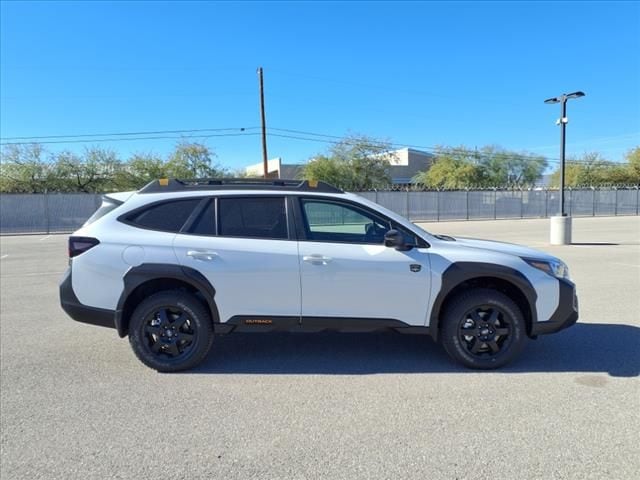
45 213
440 205
62 213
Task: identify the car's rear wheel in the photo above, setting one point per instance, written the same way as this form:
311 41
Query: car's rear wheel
171 331
483 329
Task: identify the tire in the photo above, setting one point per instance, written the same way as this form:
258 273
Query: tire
171 331
483 329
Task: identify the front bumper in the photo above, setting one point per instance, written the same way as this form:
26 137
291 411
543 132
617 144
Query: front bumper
565 315
80 312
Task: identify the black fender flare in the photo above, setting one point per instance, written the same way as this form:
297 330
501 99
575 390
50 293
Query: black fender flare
145 272
460 272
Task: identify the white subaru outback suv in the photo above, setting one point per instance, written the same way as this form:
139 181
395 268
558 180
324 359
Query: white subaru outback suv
179 261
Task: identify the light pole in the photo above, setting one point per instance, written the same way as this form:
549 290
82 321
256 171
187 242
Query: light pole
265 161
561 224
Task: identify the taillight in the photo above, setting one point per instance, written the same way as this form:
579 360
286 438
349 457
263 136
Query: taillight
78 245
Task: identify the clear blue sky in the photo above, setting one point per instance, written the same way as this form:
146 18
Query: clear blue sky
415 73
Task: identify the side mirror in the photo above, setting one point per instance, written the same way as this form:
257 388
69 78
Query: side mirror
394 239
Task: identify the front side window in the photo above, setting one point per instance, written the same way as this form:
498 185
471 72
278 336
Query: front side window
165 217
253 217
327 221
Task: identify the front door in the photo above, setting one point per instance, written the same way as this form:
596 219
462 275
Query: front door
347 272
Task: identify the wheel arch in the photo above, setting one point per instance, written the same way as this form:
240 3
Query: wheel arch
461 276
149 278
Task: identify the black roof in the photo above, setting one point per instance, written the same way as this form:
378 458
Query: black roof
175 185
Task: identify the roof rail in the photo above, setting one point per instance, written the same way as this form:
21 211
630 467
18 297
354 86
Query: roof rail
175 185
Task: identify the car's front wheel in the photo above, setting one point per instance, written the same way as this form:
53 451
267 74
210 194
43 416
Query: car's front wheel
483 329
171 331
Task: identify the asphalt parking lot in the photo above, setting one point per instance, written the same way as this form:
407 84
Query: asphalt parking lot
75 402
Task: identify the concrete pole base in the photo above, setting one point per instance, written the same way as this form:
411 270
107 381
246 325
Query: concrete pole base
560 232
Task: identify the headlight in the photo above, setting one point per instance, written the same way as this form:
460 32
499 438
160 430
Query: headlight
555 268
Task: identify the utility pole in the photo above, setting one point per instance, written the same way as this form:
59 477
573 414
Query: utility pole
265 162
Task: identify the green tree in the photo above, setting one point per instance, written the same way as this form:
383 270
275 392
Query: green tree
633 159
592 169
355 163
328 170
92 171
506 168
25 169
141 169
491 166
453 168
190 160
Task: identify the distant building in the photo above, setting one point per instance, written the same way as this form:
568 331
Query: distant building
544 180
275 169
404 165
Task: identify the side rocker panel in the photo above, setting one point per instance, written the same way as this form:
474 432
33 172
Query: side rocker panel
259 323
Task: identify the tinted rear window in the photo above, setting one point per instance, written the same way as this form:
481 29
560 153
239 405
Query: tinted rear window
255 217
205 222
166 217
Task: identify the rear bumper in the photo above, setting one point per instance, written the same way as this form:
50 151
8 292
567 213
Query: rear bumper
79 312
565 315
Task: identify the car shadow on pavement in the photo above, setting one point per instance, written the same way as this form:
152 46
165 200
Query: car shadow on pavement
585 347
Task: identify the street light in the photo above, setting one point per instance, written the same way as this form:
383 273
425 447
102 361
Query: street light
561 228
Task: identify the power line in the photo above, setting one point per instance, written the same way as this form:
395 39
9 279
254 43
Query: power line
406 145
437 149
478 154
73 137
100 140
156 132
454 149
294 134
306 133
468 151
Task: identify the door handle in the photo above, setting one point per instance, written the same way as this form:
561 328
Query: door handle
316 259
205 255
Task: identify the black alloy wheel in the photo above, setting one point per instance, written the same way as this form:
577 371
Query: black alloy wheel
483 328
171 331
485 331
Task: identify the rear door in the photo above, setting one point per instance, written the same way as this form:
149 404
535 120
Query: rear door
244 246
347 272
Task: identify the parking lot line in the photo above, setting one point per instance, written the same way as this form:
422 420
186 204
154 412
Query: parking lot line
34 274
626 264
